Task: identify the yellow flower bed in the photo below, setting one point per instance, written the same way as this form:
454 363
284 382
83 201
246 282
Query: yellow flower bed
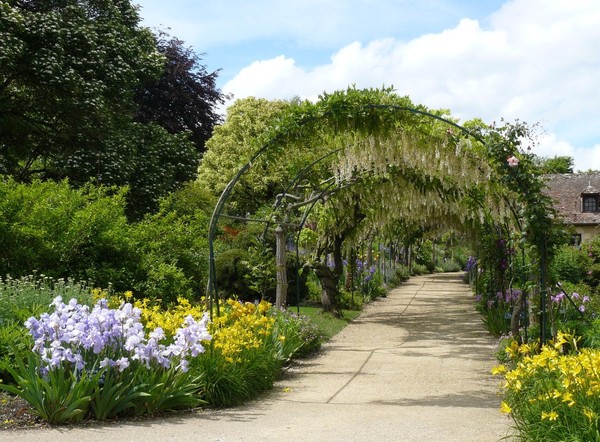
241 326
553 389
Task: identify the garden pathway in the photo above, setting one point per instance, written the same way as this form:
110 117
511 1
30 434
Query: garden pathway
414 366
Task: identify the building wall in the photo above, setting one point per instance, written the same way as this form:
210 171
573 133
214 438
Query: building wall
587 232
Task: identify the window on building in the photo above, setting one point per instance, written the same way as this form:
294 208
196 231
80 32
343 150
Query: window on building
576 239
590 203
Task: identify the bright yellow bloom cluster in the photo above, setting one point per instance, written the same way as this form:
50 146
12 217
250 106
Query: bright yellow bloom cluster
553 382
241 326
154 315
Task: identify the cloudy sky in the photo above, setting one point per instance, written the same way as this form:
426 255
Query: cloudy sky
533 60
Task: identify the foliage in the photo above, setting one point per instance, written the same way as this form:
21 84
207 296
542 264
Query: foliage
233 144
144 157
101 362
49 227
424 255
84 234
70 82
570 265
68 73
419 269
556 164
451 266
233 274
401 274
184 98
553 395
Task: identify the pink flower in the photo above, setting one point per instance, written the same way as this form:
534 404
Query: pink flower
513 161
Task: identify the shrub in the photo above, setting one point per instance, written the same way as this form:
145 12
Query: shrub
450 266
400 275
424 256
63 232
570 265
419 269
173 255
231 274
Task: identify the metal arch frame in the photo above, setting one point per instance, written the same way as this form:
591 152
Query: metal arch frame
217 212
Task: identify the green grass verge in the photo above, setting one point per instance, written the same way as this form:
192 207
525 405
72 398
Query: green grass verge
327 324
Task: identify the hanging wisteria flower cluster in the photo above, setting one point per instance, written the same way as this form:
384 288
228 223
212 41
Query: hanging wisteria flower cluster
75 334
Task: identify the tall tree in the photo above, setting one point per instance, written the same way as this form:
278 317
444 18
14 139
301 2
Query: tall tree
185 97
232 146
70 74
556 164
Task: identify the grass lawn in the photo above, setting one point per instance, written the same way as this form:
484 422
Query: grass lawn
328 324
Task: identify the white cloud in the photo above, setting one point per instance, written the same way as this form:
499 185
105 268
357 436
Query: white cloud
585 158
538 62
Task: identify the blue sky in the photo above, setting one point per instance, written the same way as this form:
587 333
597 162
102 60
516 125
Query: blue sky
533 60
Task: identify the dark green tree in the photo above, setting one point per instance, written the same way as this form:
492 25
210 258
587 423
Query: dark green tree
556 164
72 100
68 74
185 97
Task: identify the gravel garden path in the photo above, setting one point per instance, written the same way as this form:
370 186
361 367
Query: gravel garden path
414 366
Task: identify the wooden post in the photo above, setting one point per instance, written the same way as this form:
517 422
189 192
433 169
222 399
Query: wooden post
280 255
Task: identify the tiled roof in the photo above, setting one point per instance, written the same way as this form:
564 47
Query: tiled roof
566 190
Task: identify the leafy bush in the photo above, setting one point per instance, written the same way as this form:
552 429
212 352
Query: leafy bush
424 256
419 269
231 270
450 266
49 227
313 287
570 265
372 285
400 275
84 234
173 254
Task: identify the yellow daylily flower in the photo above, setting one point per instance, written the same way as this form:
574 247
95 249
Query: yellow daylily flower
551 416
505 408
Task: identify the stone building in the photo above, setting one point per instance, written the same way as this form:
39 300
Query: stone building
577 199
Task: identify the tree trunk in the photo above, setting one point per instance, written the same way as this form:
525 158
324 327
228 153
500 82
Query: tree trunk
329 288
350 267
515 319
281 292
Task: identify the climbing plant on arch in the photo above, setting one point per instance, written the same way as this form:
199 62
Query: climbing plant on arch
390 161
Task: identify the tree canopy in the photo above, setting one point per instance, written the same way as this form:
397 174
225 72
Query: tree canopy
378 161
184 98
83 93
557 164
